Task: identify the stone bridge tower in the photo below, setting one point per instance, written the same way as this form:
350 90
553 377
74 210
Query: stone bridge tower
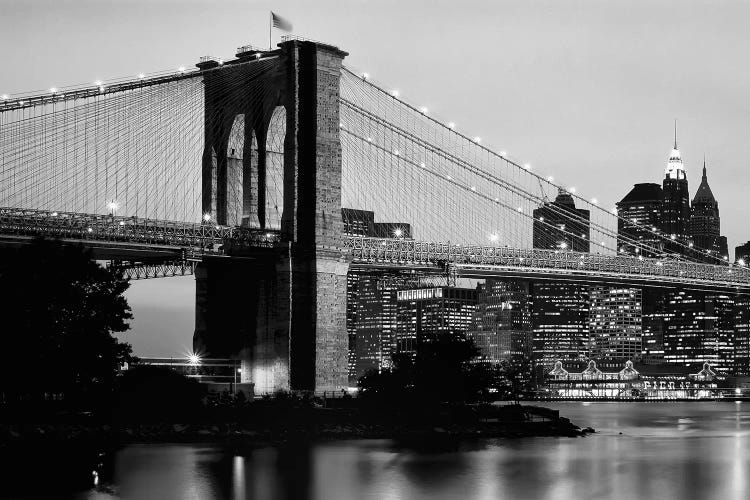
280 310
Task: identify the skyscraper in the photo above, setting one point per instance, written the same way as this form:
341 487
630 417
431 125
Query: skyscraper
559 314
742 336
424 313
375 328
560 225
370 298
705 224
640 220
615 323
699 327
675 215
742 254
502 321
560 322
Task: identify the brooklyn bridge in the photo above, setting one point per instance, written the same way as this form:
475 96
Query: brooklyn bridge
253 173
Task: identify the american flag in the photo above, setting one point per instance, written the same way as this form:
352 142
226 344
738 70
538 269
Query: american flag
280 23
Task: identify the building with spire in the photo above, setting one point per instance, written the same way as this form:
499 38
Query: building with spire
675 215
705 226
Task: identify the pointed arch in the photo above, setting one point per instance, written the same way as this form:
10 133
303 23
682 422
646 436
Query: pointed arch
235 184
274 185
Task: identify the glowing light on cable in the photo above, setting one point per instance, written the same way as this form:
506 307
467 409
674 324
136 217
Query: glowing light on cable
527 166
550 179
98 83
477 140
181 69
424 110
394 93
112 206
571 190
494 237
53 90
5 97
594 201
451 125
365 76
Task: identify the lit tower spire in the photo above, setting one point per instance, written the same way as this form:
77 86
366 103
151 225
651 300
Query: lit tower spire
675 169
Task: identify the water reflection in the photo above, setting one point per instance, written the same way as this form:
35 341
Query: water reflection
665 451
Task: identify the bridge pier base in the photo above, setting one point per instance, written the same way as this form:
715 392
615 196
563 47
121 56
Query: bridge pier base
282 316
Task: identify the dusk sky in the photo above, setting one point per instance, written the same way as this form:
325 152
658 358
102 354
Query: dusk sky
586 91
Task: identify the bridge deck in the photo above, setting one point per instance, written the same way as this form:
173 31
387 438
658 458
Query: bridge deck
127 236
482 261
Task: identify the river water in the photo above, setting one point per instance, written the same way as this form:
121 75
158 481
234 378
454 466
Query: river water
640 451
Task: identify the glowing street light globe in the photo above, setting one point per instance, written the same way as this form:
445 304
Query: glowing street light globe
398 232
194 359
206 217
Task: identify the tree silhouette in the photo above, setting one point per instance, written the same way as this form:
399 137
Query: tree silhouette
444 369
59 309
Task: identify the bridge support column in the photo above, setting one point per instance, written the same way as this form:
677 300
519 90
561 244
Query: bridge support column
287 308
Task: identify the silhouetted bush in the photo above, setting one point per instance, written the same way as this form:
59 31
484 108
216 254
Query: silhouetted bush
157 394
59 311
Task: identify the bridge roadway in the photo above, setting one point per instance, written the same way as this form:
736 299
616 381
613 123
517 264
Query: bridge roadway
152 241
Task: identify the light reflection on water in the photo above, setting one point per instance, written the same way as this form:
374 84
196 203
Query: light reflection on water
666 451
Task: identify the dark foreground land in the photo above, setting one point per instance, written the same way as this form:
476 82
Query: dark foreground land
73 446
273 421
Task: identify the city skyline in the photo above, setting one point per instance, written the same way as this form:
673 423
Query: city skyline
613 157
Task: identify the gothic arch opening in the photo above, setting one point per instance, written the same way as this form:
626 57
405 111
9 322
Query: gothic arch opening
274 188
235 155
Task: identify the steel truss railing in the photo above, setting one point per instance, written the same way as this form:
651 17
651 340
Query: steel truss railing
474 259
201 238
207 238
143 271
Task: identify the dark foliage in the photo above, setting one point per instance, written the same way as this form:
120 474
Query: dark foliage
443 370
157 394
59 311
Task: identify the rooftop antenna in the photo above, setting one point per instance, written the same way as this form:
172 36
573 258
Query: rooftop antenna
675 133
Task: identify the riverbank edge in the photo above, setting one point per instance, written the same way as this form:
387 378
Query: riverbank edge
18 435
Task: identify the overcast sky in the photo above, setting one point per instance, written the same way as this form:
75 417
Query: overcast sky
583 90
